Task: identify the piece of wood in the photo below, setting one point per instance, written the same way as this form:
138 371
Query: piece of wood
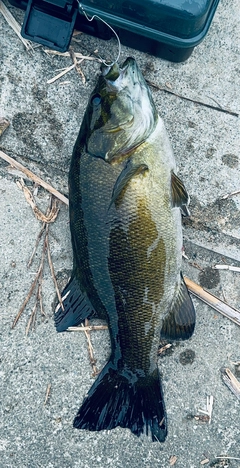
34 177
225 309
14 25
230 380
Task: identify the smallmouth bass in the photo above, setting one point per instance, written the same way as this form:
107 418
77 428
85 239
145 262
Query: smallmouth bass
125 204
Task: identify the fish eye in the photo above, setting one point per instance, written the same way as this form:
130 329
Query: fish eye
96 100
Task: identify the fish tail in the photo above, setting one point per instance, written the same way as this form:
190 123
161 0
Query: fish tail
126 400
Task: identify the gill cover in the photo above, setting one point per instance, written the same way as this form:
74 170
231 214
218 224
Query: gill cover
121 112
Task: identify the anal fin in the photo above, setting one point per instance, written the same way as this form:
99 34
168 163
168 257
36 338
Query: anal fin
76 307
180 320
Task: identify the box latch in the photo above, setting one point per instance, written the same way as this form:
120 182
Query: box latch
50 22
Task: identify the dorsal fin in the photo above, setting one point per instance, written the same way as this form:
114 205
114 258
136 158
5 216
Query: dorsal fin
180 196
124 178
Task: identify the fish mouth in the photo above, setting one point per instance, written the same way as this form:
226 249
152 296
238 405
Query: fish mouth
114 72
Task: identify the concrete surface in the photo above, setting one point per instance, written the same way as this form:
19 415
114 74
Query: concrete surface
45 120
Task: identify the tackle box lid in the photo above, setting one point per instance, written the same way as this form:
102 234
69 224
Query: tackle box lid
181 23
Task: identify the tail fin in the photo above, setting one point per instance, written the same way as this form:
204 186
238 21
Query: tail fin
116 399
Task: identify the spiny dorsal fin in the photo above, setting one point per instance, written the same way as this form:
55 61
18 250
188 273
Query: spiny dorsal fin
180 321
180 196
126 175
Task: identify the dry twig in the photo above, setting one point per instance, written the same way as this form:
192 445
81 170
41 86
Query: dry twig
14 25
90 350
34 177
52 214
31 290
230 312
78 55
77 63
230 380
38 278
208 412
228 195
227 267
59 75
220 109
172 460
4 123
164 348
88 328
36 244
47 394
52 271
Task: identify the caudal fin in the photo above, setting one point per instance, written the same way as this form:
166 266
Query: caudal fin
116 399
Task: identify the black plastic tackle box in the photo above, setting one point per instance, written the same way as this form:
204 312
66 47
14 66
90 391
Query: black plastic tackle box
166 28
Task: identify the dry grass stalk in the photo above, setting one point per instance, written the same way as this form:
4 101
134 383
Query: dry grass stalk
52 269
37 283
90 350
208 411
52 214
228 458
31 290
230 380
172 460
88 328
47 394
225 309
78 55
209 106
228 195
14 25
76 63
4 123
164 348
34 177
227 267
62 73
32 318
38 297
77 59
36 244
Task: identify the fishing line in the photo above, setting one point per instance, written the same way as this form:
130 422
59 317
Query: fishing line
108 25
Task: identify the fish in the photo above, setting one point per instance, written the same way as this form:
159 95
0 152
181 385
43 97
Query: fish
125 208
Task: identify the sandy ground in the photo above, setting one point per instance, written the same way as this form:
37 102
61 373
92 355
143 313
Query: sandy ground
44 122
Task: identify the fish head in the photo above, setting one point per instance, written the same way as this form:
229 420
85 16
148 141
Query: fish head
121 113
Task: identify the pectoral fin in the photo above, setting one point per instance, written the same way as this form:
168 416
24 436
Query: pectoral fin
180 196
123 180
180 321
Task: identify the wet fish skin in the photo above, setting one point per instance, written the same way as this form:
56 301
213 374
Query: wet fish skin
125 223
